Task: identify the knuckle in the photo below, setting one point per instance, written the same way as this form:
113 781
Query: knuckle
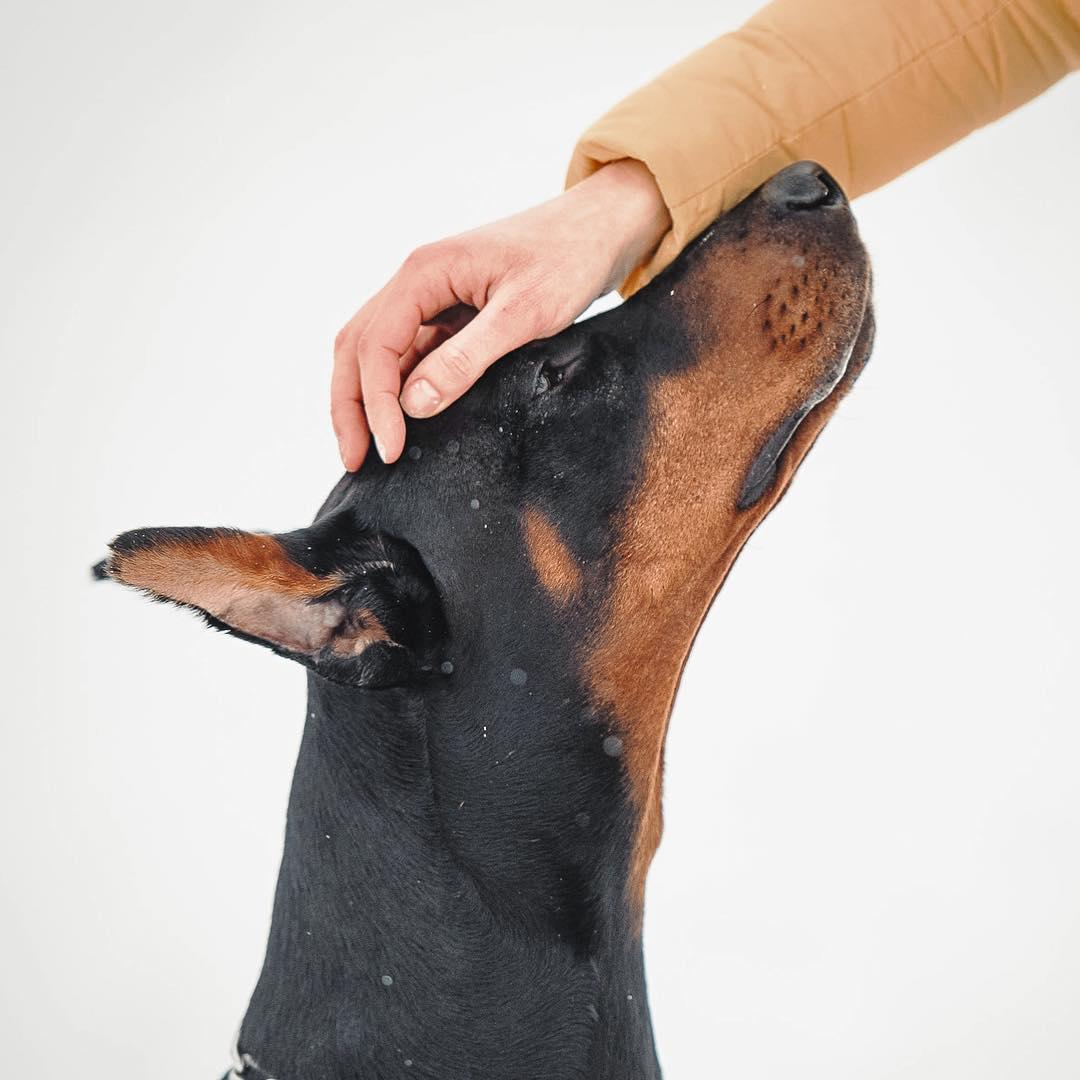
365 344
442 255
420 257
454 251
457 363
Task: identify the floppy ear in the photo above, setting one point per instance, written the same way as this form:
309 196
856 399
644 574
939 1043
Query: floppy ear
362 612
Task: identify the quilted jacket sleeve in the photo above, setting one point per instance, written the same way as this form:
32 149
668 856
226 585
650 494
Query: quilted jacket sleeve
867 87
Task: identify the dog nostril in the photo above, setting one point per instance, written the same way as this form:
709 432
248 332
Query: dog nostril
802 186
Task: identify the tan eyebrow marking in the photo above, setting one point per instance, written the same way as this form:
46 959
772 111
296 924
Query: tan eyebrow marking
554 563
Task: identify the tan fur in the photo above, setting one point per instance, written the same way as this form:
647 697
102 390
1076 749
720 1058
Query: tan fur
683 530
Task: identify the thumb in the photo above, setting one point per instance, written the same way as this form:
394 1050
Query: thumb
449 370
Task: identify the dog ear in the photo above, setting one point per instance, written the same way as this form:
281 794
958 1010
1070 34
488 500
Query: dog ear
362 611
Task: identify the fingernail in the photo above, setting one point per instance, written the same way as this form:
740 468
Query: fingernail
420 398
379 449
341 453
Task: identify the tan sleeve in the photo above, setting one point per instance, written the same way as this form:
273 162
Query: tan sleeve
868 88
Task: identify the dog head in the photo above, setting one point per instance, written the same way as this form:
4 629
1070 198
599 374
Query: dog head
579 508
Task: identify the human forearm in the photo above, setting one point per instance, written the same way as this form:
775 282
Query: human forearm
869 89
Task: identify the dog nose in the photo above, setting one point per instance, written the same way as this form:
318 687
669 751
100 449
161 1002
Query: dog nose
803 186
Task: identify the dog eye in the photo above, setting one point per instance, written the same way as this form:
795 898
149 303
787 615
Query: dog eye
545 380
553 372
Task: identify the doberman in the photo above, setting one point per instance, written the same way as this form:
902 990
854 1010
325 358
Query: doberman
494 630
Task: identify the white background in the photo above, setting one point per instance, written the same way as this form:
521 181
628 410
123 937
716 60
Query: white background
871 861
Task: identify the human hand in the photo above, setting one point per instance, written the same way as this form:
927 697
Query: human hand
457 306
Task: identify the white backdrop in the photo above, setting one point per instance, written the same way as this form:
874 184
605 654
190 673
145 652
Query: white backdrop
870 868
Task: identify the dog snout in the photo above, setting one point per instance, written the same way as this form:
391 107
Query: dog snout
803 186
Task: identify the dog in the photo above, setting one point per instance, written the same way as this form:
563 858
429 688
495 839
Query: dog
494 629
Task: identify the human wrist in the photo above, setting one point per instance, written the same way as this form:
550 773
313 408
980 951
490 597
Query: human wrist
632 213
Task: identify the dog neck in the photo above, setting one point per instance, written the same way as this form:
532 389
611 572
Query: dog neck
452 894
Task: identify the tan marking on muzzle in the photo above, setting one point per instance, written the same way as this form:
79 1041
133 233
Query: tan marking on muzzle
555 565
683 530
